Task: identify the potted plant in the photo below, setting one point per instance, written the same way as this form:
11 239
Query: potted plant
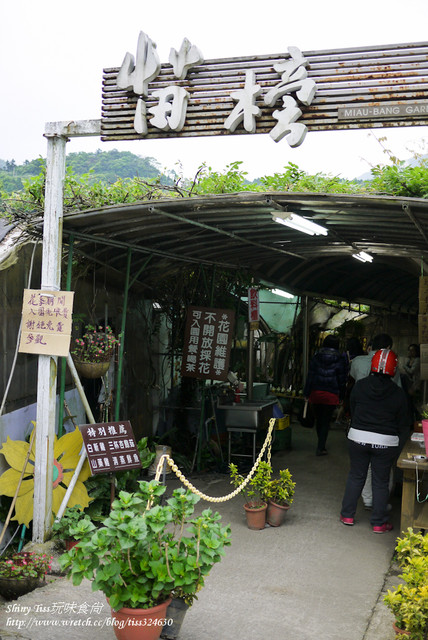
92 353
22 572
409 601
69 528
279 495
254 491
144 552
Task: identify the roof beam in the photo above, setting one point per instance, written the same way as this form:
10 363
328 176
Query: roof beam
229 234
407 210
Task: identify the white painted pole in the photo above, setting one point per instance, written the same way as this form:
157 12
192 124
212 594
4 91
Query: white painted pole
47 372
82 454
72 484
80 389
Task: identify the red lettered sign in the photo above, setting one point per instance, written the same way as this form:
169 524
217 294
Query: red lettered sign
253 305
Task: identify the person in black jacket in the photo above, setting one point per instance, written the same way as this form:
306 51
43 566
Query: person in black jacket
325 387
378 429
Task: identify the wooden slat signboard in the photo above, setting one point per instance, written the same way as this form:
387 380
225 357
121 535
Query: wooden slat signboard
283 94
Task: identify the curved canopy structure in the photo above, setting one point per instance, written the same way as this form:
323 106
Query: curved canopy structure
239 231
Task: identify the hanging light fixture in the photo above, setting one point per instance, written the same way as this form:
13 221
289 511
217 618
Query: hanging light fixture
363 256
284 294
298 223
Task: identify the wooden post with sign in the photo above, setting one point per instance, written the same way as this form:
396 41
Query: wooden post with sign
253 325
57 134
46 382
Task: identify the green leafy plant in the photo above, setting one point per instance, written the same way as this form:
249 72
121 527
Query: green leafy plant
232 179
255 491
96 345
411 545
72 516
281 490
99 485
25 564
409 601
145 551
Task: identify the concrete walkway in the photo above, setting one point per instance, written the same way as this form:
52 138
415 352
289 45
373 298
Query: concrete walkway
310 579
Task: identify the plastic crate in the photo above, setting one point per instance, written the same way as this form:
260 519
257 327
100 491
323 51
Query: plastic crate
282 423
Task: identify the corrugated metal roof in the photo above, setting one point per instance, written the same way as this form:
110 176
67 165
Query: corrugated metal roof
237 231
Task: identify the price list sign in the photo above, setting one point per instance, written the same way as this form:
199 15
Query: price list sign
207 343
110 447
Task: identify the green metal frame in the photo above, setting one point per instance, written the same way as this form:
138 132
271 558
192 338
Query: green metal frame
63 361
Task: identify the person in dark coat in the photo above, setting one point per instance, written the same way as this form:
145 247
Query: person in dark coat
325 387
378 429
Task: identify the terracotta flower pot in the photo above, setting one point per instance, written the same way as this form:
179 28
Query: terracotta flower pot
69 544
400 632
256 516
276 513
139 624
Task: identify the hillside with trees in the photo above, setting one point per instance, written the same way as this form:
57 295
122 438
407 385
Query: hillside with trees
100 166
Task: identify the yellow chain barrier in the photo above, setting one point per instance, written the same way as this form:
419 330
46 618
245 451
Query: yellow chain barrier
189 485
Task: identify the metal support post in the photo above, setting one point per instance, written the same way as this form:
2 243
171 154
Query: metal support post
63 362
122 338
250 362
305 338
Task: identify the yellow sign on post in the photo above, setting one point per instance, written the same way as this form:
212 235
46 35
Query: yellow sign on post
46 322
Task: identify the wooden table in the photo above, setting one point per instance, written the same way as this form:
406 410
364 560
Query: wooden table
413 513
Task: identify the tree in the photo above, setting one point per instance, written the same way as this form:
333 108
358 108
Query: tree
401 180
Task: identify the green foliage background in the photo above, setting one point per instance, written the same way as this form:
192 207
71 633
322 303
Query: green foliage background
115 177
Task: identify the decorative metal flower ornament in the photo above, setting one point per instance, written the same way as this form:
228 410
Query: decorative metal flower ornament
66 457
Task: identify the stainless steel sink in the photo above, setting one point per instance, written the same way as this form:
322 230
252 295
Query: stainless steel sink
250 415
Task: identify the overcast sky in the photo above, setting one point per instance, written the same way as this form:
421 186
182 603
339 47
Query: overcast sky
52 54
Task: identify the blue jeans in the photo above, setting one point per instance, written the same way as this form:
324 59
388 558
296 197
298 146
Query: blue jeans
381 460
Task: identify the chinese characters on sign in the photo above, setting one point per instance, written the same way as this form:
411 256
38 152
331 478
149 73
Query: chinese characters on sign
169 112
207 343
134 75
110 446
46 322
253 305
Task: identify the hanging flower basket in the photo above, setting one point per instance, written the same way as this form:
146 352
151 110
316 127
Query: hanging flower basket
93 352
13 588
22 572
91 369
